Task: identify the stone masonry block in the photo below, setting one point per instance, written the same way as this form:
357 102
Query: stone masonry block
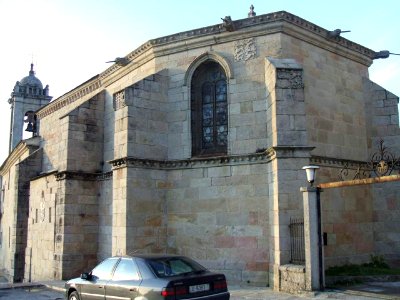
219 171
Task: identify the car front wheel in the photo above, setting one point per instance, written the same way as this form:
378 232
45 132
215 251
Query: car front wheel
73 296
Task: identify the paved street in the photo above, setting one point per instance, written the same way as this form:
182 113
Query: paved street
370 291
366 291
31 294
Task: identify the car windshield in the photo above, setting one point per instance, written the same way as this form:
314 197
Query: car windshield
174 266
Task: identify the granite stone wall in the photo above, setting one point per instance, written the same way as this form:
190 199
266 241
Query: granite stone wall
40 253
24 170
125 179
77 226
55 134
15 207
334 99
384 125
219 216
348 220
105 196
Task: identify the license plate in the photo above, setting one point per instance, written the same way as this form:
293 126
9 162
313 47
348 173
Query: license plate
199 288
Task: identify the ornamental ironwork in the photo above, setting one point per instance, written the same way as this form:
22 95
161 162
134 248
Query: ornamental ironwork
361 172
382 163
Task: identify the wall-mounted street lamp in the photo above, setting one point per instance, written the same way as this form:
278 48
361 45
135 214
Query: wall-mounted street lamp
311 173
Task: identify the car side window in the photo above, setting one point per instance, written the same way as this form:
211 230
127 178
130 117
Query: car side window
126 270
104 269
165 267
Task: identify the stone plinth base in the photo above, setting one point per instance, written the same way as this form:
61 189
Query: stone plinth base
292 279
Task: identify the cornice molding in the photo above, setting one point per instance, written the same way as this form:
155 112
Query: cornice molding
69 98
105 176
17 95
83 176
247 23
290 151
338 45
281 21
133 162
13 158
346 169
41 175
332 162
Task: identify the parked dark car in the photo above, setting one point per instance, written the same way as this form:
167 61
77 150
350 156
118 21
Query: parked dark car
148 277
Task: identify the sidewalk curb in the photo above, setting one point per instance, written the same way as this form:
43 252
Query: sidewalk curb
53 287
334 280
367 294
9 286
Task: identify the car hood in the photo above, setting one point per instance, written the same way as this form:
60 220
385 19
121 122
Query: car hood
74 281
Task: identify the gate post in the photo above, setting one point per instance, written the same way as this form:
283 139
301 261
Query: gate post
315 274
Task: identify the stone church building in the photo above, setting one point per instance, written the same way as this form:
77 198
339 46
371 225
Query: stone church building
194 144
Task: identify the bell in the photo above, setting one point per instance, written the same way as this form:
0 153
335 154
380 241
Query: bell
29 128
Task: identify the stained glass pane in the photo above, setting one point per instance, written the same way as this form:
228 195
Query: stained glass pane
207 93
220 91
221 87
221 114
210 109
206 98
222 135
207 131
221 98
207 115
208 137
215 75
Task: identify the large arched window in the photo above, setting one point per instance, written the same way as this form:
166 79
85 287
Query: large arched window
209 110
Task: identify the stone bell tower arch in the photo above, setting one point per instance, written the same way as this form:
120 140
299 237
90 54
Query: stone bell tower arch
26 98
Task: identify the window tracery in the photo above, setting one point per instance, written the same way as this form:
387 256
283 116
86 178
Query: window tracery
209 110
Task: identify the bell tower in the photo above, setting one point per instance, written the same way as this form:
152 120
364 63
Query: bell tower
27 97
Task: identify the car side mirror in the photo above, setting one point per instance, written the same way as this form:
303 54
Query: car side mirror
86 276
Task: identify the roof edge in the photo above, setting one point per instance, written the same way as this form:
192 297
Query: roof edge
93 85
31 144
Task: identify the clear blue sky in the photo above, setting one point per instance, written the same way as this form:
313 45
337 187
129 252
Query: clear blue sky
69 41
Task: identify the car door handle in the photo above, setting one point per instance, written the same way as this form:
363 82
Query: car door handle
133 290
100 287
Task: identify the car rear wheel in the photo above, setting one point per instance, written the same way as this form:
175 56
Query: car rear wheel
73 296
